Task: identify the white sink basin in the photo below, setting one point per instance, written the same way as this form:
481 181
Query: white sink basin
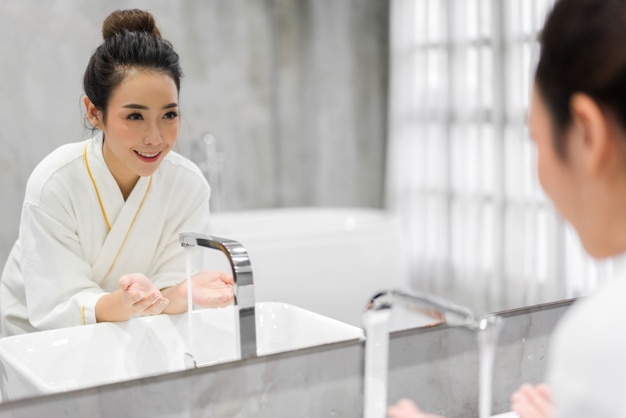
92 355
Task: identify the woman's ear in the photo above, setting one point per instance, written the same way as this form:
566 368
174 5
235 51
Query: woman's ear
592 129
93 114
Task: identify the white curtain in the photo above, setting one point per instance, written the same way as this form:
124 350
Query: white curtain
461 166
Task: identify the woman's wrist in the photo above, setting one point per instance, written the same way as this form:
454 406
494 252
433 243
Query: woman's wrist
177 295
109 308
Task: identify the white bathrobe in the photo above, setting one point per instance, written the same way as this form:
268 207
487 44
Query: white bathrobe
587 362
65 257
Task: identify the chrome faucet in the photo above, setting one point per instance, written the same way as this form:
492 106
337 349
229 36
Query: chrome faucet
239 261
376 319
452 314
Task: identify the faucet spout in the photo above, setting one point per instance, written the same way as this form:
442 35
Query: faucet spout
241 268
454 315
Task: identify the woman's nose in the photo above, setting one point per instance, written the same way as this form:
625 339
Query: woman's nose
153 136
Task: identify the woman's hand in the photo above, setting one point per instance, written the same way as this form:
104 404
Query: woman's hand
406 408
210 289
140 295
532 401
136 296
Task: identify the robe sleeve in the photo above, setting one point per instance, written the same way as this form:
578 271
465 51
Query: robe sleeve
60 291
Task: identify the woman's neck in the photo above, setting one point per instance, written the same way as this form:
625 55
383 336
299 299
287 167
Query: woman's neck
125 179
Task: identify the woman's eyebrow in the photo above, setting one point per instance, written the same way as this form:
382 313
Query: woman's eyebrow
143 107
135 106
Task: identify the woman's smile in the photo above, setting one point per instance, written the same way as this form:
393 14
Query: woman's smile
149 157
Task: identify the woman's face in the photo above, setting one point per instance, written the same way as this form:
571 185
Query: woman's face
141 125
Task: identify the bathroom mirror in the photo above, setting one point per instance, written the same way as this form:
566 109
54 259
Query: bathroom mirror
278 93
293 114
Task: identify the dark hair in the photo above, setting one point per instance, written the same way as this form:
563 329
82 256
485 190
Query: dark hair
583 50
131 40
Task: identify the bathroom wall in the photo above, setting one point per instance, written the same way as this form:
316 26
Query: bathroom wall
293 91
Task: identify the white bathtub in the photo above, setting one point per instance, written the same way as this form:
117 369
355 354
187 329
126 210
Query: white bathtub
327 260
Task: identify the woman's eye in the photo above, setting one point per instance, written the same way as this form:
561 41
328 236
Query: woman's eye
135 116
170 115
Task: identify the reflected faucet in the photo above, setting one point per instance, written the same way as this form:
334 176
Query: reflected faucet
376 319
451 313
239 261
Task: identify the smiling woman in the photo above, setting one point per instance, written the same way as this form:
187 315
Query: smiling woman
99 229
141 127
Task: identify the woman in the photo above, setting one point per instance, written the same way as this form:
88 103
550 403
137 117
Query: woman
578 123
98 237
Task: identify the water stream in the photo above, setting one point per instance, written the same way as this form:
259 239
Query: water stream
189 355
488 332
376 324
196 356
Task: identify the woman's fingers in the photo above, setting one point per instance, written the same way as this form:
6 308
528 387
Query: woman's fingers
156 307
213 297
213 279
532 402
212 289
226 278
140 295
406 408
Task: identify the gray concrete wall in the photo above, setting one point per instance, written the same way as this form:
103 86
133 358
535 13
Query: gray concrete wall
294 91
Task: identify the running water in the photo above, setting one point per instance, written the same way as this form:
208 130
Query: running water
488 332
189 356
376 324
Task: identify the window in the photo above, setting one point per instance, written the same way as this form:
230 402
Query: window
461 166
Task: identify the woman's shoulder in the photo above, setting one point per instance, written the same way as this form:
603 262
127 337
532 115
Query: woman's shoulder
589 325
587 370
60 157
605 305
59 163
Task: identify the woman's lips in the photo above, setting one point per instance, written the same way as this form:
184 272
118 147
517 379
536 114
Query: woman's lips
148 157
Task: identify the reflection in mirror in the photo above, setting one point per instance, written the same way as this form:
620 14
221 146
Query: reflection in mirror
144 347
283 244
458 172
269 147
302 303
104 353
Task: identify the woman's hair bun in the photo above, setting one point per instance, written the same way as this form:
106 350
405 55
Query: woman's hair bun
133 20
